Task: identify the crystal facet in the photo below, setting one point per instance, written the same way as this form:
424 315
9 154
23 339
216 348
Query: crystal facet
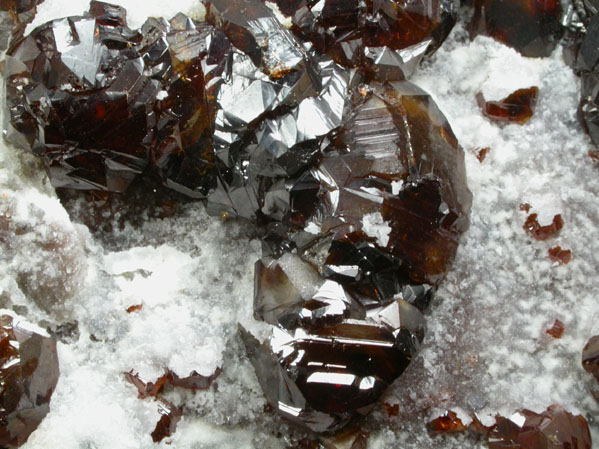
533 27
102 103
28 377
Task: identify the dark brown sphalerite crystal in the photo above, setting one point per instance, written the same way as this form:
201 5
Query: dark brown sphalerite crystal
28 376
388 202
14 16
101 103
385 39
533 27
517 107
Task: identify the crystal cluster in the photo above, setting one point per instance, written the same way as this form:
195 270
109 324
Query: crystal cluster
28 376
14 16
379 37
102 103
532 27
554 428
312 132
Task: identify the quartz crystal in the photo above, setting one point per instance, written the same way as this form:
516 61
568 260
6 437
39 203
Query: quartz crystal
28 377
386 39
533 27
517 107
101 103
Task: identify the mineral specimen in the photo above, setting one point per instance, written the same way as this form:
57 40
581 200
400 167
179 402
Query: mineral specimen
517 107
385 39
555 428
533 27
388 202
28 377
101 103
590 357
559 255
557 330
533 227
14 15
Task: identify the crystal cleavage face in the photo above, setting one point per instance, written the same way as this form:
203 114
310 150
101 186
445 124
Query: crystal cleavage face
353 173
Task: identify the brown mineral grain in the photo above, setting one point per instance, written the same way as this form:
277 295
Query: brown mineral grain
590 357
446 423
517 107
559 255
532 226
557 330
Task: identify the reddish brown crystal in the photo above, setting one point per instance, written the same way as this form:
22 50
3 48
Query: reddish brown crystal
134 308
590 357
517 107
481 154
594 155
391 409
28 376
543 232
555 428
446 423
166 426
559 255
533 27
525 207
194 381
557 330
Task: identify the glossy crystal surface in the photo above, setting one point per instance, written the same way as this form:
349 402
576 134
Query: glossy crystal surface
532 27
28 377
518 107
386 39
102 103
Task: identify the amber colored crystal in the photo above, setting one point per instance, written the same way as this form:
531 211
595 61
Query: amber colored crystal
517 107
481 154
134 308
543 232
559 255
102 103
525 207
590 357
557 330
533 27
28 376
446 423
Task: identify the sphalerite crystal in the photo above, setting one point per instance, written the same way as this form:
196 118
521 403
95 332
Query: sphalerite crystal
28 376
385 39
518 107
312 132
102 103
554 428
533 27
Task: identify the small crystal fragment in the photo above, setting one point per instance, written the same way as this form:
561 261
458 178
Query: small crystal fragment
557 330
539 232
446 423
525 207
166 426
134 308
590 357
28 377
517 107
559 255
481 154
532 27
